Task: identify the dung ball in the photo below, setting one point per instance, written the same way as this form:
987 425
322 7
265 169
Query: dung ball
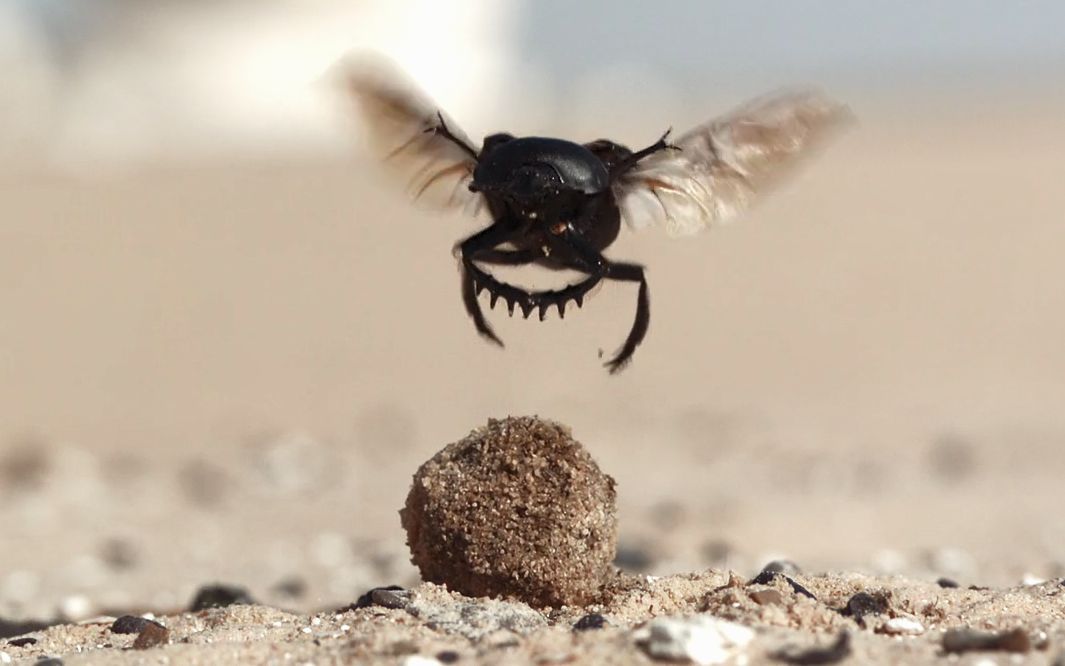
518 509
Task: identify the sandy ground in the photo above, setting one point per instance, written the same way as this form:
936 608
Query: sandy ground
230 373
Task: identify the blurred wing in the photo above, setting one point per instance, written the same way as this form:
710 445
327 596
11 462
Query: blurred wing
403 123
724 165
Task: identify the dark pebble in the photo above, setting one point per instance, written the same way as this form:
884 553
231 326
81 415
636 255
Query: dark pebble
632 558
867 603
968 640
838 651
447 656
219 596
767 578
590 621
293 588
786 567
12 629
48 661
22 642
130 624
946 583
154 634
371 598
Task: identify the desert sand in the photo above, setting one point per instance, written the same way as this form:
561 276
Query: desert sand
230 372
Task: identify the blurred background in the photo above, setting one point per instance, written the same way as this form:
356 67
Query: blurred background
227 339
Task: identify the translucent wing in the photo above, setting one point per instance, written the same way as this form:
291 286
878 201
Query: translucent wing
417 140
724 165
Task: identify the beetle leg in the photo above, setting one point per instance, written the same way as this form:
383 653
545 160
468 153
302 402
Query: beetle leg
593 262
441 130
484 240
630 160
527 301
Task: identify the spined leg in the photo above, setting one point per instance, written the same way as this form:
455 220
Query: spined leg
527 301
592 261
482 241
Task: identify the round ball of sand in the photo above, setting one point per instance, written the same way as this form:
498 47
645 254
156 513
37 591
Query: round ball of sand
517 508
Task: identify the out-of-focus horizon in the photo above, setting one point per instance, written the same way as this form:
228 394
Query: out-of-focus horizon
109 82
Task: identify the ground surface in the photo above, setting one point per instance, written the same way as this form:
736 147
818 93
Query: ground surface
230 373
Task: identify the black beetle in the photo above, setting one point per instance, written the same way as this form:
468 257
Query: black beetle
559 204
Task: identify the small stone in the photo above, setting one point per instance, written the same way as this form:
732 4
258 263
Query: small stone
48 661
767 597
839 650
477 619
902 626
292 587
632 558
76 607
786 567
967 640
946 583
153 635
517 508
766 577
220 596
5 658
418 660
374 596
130 624
701 639
447 656
590 621
22 642
867 603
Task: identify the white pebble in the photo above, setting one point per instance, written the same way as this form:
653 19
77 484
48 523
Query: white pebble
700 639
418 660
306 630
903 626
1032 579
315 621
5 658
76 607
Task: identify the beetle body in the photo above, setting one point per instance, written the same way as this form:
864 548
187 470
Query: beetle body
540 187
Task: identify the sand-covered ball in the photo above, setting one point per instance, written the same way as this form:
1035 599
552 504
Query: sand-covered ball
517 508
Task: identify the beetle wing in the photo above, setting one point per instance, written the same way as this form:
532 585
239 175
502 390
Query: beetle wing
410 133
723 165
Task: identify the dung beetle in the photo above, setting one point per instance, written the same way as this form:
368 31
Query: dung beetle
559 204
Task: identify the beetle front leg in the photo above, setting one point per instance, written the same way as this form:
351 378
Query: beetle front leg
481 241
632 159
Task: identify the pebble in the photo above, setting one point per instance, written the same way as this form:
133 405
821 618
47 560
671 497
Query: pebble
129 624
153 634
590 621
76 607
947 583
390 596
418 660
839 650
5 658
219 596
902 626
477 619
22 642
867 603
967 640
766 577
700 639
767 597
